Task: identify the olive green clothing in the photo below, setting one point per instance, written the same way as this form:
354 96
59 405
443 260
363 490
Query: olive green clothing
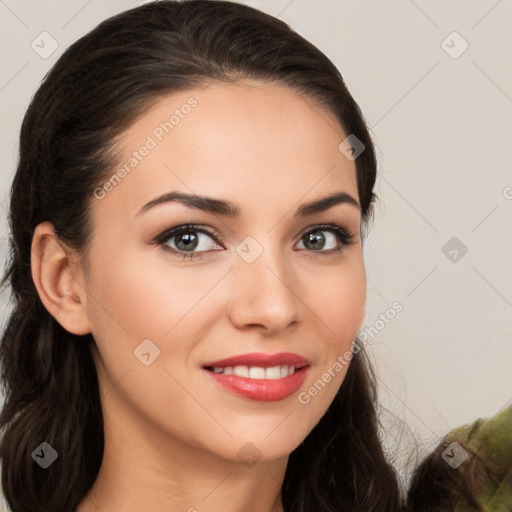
488 444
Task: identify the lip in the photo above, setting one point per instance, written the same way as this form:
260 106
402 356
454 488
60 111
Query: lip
262 390
262 360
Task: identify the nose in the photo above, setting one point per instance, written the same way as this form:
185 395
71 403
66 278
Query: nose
262 294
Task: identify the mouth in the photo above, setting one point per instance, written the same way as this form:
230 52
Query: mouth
254 372
260 377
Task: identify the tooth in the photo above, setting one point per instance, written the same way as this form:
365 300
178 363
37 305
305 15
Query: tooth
257 372
273 373
241 371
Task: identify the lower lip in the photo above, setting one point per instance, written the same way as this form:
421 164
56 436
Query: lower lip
262 390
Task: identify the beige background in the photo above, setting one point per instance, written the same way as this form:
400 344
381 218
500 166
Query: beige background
443 128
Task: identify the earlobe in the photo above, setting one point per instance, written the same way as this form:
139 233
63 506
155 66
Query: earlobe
57 280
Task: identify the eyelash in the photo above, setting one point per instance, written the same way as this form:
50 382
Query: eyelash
344 236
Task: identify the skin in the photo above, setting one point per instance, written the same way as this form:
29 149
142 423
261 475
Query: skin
172 434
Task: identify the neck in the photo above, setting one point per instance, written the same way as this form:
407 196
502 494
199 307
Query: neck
144 468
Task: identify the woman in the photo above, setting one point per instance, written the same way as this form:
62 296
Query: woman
187 220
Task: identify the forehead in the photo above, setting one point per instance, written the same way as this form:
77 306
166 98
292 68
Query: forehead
249 140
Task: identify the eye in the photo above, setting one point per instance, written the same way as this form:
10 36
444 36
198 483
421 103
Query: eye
190 240
316 240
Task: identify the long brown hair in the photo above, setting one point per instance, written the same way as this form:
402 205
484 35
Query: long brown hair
437 487
99 86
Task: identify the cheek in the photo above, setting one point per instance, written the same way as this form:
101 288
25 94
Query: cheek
141 298
338 297
338 300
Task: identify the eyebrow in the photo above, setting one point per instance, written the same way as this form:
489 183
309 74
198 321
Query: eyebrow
229 209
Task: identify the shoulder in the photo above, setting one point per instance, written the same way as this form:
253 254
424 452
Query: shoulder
488 467
488 441
469 471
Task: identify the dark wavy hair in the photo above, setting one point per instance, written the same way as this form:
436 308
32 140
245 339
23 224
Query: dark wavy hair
100 86
436 487
480 483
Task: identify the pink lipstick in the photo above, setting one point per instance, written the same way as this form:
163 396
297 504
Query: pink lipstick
258 376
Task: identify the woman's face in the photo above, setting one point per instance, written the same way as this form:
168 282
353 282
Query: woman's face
255 284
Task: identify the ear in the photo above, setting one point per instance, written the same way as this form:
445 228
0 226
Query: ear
59 280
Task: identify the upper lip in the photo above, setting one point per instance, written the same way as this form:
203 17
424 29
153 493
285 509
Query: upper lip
261 360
